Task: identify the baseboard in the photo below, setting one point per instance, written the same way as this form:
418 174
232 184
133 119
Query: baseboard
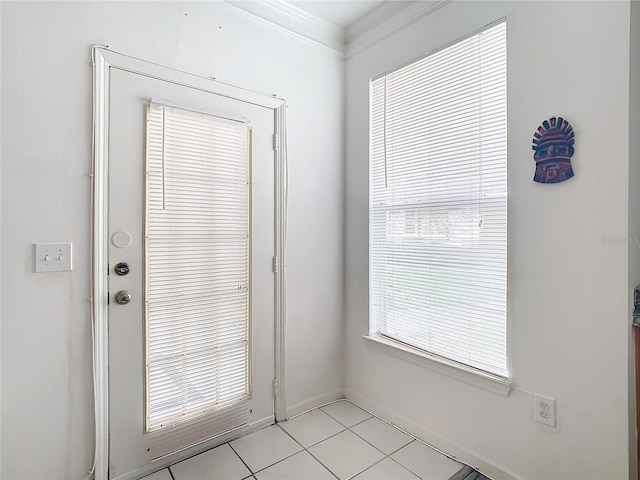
314 402
452 449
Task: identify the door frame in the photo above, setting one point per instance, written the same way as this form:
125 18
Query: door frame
103 60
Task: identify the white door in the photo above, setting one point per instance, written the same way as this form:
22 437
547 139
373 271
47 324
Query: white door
191 355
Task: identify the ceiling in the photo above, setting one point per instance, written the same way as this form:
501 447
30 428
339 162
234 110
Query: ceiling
339 12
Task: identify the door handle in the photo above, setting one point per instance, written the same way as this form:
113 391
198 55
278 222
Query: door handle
123 297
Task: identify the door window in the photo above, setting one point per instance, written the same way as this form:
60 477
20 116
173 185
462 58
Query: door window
197 249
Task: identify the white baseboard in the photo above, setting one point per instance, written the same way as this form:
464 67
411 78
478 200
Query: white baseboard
450 448
314 402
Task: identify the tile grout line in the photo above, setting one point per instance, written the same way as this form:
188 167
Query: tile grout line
450 457
405 467
305 449
349 429
386 455
370 466
241 459
344 429
320 462
345 426
324 439
320 407
282 459
414 439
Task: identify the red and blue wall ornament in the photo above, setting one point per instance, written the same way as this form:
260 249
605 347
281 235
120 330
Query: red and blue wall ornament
553 148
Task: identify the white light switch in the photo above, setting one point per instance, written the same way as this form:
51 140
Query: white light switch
53 257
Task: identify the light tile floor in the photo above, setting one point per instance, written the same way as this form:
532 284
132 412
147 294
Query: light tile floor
337 441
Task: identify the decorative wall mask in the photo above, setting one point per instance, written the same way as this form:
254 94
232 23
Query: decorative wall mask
553 148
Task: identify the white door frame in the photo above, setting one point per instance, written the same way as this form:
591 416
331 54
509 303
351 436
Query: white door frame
103 60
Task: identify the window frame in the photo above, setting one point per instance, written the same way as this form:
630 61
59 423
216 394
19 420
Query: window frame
494 382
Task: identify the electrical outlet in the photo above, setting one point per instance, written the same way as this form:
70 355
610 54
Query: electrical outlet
545 410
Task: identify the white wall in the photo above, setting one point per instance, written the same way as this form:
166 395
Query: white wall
47 424
569 312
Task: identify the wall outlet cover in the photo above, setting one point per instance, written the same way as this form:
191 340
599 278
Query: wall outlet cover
545 410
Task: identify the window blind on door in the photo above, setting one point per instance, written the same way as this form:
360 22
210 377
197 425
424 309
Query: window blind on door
197 265
438 203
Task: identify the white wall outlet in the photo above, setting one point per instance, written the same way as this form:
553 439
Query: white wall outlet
53 257
545 410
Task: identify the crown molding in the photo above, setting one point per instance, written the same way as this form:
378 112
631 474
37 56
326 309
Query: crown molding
382 22
374 18
292 19
377 28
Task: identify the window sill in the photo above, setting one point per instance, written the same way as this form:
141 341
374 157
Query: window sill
469 375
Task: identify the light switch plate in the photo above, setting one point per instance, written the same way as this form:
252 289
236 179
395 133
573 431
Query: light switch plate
53 257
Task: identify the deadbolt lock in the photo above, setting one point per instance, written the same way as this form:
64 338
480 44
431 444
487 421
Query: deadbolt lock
123 297
121 269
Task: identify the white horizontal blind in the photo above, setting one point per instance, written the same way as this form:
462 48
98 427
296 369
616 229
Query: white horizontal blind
197 265
191 432
438 239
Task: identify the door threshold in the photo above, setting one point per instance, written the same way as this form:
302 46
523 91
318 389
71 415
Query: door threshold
173 458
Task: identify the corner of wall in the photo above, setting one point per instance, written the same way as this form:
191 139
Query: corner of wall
314 402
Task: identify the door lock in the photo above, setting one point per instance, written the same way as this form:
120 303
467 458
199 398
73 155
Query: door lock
122 269
123 297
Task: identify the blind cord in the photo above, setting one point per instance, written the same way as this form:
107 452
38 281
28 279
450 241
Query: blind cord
384 136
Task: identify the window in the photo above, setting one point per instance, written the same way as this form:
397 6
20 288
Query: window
438 203
197 264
